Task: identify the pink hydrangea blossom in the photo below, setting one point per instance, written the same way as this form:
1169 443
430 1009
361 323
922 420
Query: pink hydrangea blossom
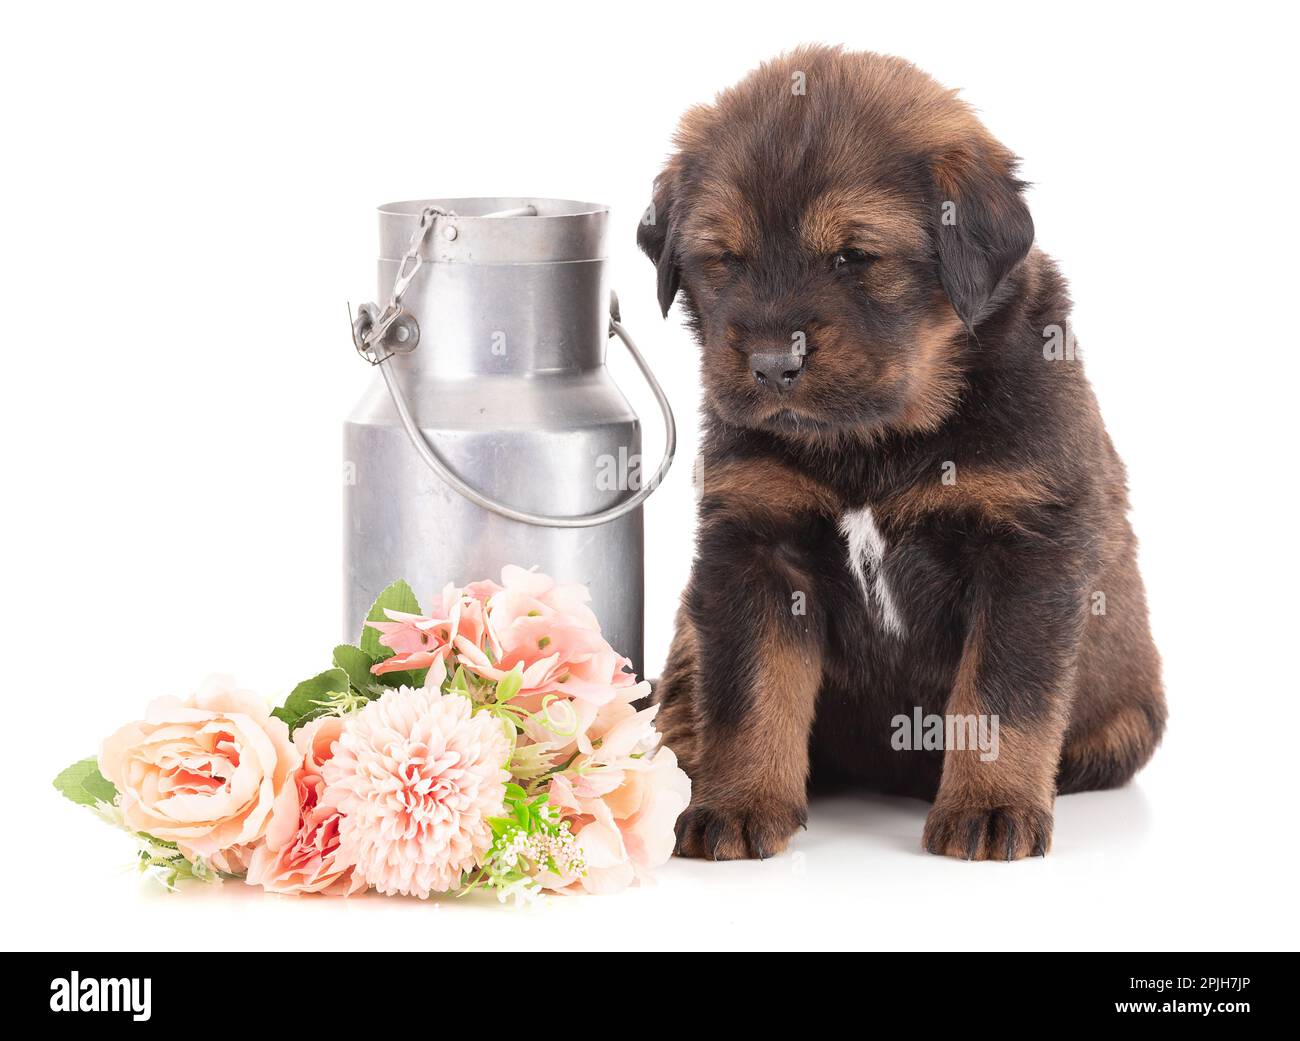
621 796
549 633
418 641
628 829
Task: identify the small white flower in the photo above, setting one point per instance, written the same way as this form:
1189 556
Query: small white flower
524 892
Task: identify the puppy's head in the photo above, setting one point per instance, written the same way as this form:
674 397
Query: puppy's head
835 225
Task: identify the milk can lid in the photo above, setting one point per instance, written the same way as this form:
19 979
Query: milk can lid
503 230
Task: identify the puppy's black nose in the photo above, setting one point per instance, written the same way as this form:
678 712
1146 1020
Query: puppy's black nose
776 370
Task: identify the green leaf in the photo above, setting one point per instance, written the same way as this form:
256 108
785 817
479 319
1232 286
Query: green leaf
85 785
302 704
397 597
294 720
356 663
413 678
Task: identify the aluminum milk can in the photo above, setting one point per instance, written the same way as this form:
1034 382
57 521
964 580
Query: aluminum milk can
493 433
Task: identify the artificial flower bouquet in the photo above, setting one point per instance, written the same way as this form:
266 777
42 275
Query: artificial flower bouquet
492 742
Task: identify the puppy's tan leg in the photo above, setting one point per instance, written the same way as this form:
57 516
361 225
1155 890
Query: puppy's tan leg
999 810
1017 668
751 629
750 778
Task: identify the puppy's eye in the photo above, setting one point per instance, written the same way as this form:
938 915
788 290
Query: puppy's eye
846 257
731 261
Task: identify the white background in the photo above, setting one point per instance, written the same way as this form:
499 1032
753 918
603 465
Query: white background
187 204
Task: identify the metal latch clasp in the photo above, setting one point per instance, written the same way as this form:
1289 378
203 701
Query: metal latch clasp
378 335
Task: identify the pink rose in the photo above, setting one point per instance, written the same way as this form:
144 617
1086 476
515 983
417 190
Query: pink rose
300 852
203 773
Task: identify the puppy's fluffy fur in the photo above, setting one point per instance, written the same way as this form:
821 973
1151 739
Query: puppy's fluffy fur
908 496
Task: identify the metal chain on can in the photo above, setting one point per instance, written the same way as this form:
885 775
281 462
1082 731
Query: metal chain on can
380 334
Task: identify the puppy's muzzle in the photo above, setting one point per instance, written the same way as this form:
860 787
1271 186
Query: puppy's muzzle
778 371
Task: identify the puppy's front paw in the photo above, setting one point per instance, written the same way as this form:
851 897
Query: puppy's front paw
987 833
753 832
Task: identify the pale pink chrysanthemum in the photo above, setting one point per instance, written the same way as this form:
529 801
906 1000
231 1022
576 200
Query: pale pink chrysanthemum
416 775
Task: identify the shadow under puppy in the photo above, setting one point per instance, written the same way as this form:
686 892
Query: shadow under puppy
909 500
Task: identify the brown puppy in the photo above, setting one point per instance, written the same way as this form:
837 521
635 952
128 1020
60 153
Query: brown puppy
910 506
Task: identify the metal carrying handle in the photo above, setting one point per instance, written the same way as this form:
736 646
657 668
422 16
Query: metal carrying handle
588 520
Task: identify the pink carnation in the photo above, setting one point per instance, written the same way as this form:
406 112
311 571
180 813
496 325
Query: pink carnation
300 853
416 775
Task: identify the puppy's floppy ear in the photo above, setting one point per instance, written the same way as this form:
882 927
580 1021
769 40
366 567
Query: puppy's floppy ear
657 239
983 227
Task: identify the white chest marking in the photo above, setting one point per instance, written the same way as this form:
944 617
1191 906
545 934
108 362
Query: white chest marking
867 562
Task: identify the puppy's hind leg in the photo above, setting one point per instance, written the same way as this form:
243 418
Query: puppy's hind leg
1119 711
1109 756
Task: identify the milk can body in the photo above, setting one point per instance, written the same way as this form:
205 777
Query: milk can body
508 385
